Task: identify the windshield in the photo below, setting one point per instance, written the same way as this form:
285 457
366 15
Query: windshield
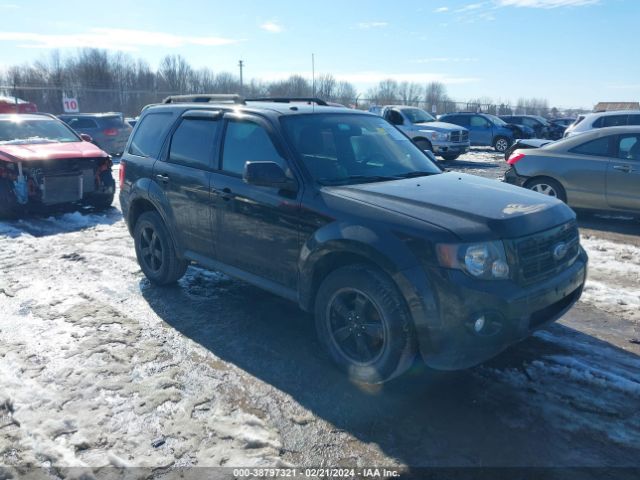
17 130
417 115
112 122
345 149
496 120
542 120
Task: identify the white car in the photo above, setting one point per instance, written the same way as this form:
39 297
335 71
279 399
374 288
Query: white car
617 118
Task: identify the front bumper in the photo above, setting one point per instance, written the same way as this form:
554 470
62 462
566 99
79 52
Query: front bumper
448 148
512 312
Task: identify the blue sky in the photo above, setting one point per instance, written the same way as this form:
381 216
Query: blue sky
572 52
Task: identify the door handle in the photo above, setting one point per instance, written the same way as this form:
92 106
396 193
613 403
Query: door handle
623 168
226 194
163 178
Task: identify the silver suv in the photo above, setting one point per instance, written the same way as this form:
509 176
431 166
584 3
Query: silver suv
446 140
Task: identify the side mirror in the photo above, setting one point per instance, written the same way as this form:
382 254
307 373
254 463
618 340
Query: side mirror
86 138
266 174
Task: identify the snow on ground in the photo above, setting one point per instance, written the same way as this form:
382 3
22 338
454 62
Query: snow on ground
98 367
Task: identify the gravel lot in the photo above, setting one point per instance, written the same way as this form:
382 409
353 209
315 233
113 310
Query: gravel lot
98 367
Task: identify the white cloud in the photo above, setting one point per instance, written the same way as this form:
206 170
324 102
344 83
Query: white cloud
470 7
545 3
9 6
272 27
368 25
112 39
441 10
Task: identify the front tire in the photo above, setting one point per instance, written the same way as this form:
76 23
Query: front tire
424 145
9 207
547 186
501 144
363 322
450 157
155 250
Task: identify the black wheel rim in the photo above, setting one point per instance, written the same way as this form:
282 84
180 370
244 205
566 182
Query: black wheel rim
151 249
356 326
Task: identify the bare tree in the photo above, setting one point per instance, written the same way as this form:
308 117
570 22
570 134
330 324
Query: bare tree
409 93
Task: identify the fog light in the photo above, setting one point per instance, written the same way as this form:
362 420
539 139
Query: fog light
479 324
500 269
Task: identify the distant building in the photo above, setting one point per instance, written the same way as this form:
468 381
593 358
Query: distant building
609 106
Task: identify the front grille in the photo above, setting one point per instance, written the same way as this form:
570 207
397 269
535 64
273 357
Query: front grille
535 253
62 189
460 136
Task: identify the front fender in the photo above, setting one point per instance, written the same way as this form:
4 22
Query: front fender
386 250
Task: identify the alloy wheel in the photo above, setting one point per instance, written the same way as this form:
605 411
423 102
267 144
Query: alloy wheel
151 248
356 326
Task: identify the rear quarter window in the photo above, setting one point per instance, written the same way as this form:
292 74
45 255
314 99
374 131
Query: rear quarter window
150 134
600 147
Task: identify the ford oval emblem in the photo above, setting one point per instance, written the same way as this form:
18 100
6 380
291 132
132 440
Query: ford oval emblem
560 250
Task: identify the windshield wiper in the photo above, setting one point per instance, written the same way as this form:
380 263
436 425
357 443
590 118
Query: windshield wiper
356 179
415 174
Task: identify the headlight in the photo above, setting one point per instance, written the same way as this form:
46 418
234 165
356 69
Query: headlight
442 137
485 260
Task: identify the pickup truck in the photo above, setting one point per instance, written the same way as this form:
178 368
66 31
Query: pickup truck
446 140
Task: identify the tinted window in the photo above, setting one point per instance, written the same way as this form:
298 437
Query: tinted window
614 120
150 134
394 117
634 119
82 123
629 147
193 143
462 120
111 122
597 147
530 122
247 142
477 121
342 149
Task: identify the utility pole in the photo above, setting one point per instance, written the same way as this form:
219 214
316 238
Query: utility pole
313 74
241 65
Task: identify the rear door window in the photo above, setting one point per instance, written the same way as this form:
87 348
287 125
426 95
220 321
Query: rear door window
600 147
193 143
614 120
150 134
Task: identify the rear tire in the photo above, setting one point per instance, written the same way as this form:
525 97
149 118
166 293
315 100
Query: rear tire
547 186
451 157
101 202
155 250
363 322
501 144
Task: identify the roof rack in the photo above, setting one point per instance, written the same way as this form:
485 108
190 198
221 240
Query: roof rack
317 101
205 98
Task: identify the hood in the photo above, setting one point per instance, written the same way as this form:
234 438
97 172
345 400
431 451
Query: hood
473 208
53 151
439 126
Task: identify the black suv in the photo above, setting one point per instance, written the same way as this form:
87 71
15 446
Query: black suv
339 211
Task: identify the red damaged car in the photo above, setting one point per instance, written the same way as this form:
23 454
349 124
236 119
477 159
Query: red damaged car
44 163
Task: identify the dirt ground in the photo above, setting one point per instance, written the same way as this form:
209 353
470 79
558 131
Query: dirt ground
98 367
